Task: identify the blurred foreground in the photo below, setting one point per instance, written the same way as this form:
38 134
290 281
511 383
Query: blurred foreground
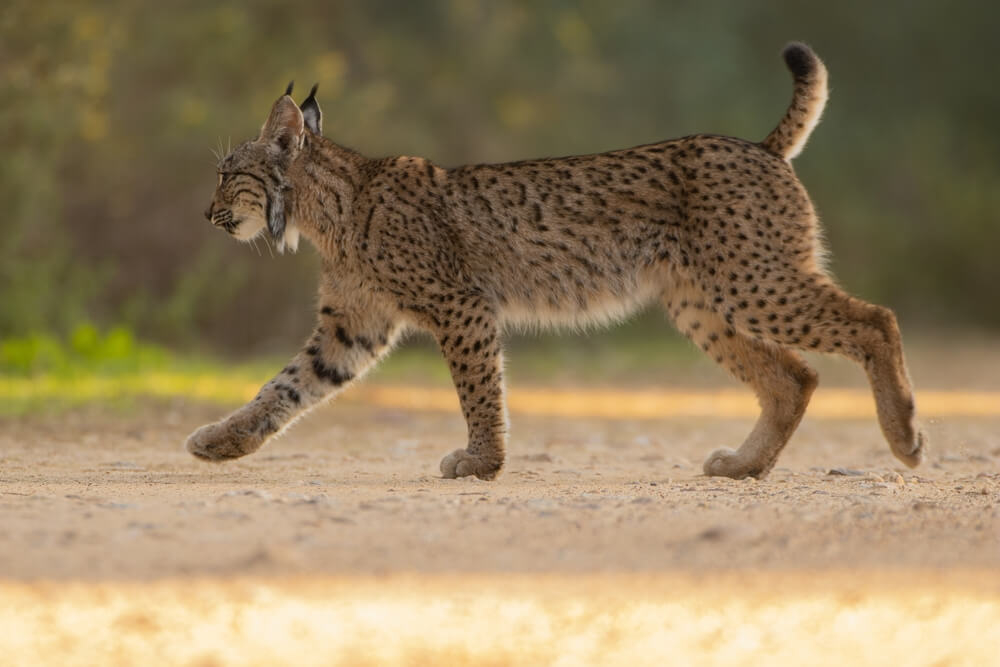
807 618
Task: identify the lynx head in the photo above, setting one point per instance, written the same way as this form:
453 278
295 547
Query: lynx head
252 192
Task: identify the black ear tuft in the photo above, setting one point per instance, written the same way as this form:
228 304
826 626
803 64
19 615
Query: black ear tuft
311 112
291 84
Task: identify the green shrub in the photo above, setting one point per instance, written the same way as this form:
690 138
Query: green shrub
86 350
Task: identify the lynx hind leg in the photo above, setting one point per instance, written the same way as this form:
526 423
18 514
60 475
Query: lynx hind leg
822 317
780 378
469 338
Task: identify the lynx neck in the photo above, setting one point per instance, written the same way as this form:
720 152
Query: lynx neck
325 180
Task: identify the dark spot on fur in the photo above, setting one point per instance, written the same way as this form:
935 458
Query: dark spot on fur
342 336
330 374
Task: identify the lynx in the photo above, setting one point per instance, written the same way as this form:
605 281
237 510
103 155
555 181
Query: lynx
716 229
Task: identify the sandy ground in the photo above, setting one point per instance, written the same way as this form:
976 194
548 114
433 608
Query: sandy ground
102 510
355 489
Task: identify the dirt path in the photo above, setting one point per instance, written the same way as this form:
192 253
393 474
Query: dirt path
354 489
340 544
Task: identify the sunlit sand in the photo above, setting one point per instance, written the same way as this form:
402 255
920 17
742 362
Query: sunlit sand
725 619
628 404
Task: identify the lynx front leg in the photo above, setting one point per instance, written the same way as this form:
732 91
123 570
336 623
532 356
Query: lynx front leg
470 341
341 349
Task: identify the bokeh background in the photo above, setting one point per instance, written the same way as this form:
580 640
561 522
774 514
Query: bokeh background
110 111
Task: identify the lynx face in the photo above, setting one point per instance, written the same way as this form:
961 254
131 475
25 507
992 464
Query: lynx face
253 186
239 205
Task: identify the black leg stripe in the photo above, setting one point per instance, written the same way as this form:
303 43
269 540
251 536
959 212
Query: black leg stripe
330 374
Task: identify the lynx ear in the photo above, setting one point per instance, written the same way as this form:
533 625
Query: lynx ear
311 112
284 127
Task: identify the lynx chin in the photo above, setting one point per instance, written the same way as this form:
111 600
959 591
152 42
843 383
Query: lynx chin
718 230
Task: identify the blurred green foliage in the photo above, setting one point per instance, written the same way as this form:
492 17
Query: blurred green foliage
109 111
84 351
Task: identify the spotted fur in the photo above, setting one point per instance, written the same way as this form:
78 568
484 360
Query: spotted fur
718 230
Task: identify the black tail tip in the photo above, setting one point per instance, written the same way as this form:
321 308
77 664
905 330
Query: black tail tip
800 59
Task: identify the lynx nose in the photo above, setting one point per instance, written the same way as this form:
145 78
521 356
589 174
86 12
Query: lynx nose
208 213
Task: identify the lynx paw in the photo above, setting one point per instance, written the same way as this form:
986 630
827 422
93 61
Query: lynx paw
461 463
727 463
912 453
216 442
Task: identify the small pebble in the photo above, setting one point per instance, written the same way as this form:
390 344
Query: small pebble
846 472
